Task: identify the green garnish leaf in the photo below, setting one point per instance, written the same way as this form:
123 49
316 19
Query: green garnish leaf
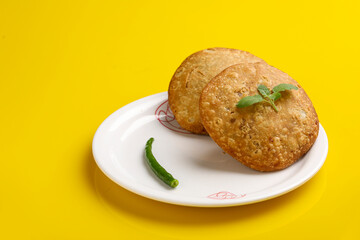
266 95
275 96
284 86
249 100
264 91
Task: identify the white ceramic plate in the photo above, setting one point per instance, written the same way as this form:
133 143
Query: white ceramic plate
208 177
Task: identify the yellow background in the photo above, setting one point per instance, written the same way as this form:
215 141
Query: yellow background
66 65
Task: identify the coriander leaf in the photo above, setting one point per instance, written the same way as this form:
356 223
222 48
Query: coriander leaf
283 87
264 91
275 96
249 100
266 95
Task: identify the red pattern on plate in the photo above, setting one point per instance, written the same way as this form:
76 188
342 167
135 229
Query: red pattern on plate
164 115
223 195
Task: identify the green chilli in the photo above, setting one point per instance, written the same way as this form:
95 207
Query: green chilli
157 168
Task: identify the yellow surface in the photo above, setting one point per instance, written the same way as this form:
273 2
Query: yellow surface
66 65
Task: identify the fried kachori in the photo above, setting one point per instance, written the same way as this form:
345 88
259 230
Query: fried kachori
257 135
191 77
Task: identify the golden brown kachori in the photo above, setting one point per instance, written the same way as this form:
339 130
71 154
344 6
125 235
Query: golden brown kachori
191 77
258 136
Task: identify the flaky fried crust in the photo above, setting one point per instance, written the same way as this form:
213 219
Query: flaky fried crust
191 77
258 136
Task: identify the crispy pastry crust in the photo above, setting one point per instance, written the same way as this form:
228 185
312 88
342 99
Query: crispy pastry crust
192 76
257 136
